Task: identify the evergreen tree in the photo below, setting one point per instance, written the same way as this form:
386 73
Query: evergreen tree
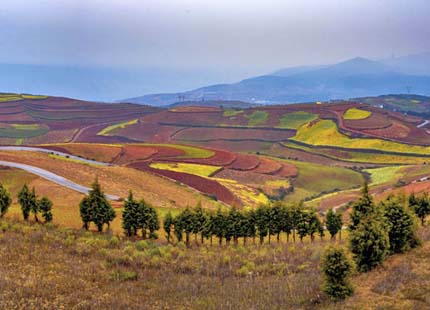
208 226
45 207
333 223
287 221
34 207
168 223
401 226
276 218
130 216
27 201
96 208
369 244
234 223
302 225
337 269
362 208
153 222
314 224
199 219
85 211
185 223
421 206
219 223
5 201
296 217
178 229
248 226
142 217
262 221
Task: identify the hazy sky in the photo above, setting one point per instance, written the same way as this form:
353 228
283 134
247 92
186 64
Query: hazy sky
248 36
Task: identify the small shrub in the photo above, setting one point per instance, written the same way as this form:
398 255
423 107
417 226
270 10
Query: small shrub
337 268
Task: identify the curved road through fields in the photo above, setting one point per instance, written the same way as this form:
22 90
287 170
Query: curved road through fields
49 175
42 150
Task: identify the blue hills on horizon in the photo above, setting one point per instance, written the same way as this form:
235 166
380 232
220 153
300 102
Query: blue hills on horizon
357 77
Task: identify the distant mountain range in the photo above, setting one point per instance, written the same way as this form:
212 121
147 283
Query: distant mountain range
100 83
357 77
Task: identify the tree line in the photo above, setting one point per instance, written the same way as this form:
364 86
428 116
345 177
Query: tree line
30 203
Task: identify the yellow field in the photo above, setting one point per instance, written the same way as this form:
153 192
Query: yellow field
122 125
325 133
356 114
200 170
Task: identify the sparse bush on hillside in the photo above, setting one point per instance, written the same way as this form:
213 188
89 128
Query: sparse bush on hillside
337 268
420 205
5 200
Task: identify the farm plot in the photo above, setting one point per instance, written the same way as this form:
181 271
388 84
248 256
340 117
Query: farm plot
325 133
233 134
356 114
314 180
209 187
200 170
22 131
294 120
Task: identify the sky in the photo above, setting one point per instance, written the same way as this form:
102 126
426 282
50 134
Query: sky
243 37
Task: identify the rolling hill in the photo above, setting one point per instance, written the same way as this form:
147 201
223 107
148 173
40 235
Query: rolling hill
356 77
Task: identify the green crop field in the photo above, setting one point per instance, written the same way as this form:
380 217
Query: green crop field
257 118
356 114
296 119
385 174
315 179
231 112
200 170
22 131
325 133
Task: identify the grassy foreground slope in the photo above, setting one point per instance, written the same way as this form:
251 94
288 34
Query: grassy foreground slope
111 273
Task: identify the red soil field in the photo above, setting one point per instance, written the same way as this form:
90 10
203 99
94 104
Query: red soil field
395 131
130 153
147 132
209 187
268 166
221 158
287 171
374 121
245 162
233 134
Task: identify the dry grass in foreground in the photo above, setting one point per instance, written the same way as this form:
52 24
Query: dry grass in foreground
47 267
